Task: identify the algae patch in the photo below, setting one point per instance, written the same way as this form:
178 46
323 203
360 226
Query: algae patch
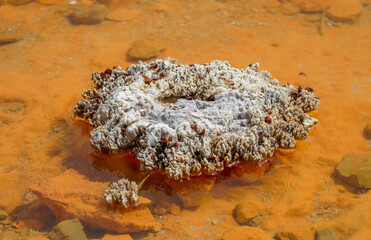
186 120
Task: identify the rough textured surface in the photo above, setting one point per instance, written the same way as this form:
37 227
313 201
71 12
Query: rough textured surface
190 119
70 195
122 192
345 10
12 108
356 169
68 230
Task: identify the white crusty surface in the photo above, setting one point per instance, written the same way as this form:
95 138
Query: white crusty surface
123 192
186 120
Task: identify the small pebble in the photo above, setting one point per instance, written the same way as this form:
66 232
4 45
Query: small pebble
159 211
355 169
157 227
174 209
325 234
68 229
345 11
275 44
145 49
3 215
9 35
247 213
88 15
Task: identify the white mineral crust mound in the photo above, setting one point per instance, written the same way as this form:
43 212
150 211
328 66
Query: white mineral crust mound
189 119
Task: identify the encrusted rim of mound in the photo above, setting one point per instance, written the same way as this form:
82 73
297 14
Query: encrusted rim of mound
279 120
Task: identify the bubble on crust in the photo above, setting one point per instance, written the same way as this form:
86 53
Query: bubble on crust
187 120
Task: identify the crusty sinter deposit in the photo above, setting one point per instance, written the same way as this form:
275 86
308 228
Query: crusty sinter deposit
123 192
189 119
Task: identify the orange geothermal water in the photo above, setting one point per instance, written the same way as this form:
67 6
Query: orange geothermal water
49 172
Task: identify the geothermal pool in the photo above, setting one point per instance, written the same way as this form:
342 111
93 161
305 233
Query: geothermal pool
49 49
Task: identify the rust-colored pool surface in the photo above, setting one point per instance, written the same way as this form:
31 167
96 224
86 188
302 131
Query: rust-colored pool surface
50 173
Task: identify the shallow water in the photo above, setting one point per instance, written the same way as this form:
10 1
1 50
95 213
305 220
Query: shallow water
44 74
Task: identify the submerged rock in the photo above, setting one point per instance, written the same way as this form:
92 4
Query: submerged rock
145 49
174 209
355 169
297 230
9 35
325 234
3 215
345 10
68 230
248 214
159 211
89 14
70 195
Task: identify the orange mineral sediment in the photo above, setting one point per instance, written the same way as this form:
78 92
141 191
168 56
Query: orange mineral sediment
70 195
48 68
